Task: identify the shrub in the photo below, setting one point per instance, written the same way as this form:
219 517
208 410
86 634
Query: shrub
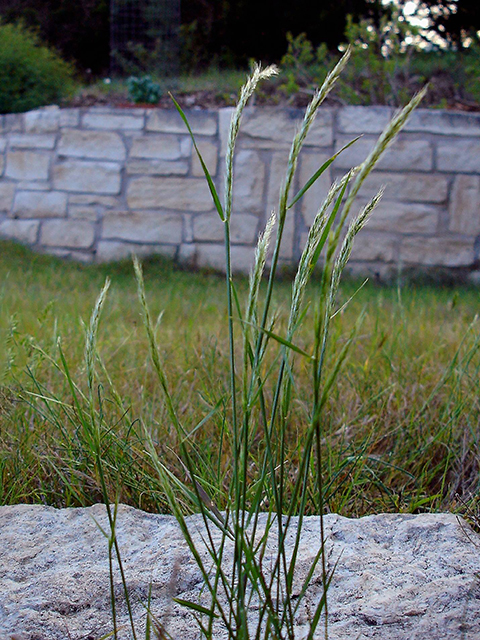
31 75
143 90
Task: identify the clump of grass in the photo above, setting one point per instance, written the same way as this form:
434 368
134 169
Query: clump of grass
234 589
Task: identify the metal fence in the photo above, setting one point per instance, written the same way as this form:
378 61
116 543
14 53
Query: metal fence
144 37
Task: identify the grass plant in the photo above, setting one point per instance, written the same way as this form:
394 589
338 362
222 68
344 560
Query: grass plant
276 432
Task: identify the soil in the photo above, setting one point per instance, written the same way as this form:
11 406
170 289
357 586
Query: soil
209 99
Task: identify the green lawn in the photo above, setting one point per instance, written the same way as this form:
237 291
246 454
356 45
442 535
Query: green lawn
402 425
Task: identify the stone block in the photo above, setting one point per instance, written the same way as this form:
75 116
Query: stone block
187 255
355 119
213 256
248 182
184 194
69 117
465 205
31 140
111 251
13 122
321 131
74 234
43 120
22 230
374 246
3 144
209 151
157 167
40 204
224 119
403 217
459 155
315 196
111 120
152 227
407 187
447 251
83 212
106 145
449 123
34 185
269 128
278 166
209 228
7 191
404 154
93 198
2 164
27 165
169 121
160 147
87 176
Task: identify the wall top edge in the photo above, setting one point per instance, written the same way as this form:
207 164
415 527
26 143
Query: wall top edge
431 112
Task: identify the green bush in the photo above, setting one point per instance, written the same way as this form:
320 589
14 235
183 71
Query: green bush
143 90
31 75
388 64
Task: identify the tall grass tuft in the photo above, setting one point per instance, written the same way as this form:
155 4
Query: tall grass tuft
245 598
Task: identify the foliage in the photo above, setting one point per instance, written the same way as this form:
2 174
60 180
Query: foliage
143 90
31 75
387 66
79 29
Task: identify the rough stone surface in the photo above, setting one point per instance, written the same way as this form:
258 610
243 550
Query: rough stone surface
213 256
109 251
32 141
169 193
364 119
371 245
104 145
154 227
410 187
7 191
160 147
169 121
446 251
157 167
249 177
27 165
22 230
398 576
87 176
43 120
404 154
465 205
403 217
459 155
99 119
83 212
40 204
209 152
208 227
74 234
444 122
315 196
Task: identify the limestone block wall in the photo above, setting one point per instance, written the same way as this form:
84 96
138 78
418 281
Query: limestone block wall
98 184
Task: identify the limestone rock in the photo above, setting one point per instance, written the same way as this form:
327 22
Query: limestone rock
398 576
98 118
105 145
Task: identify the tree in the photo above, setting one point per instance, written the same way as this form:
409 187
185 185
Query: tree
453 20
